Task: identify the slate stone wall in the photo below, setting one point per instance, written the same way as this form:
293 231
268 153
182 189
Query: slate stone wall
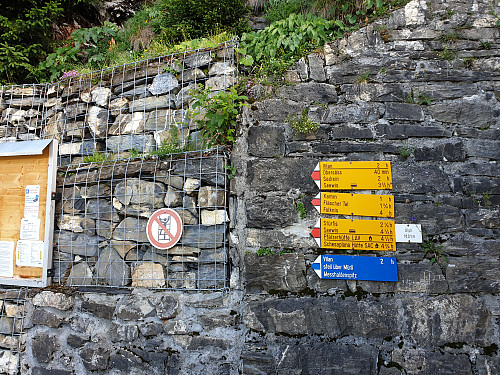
419 89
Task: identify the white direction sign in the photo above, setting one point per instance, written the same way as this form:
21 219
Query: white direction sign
408 233
164 228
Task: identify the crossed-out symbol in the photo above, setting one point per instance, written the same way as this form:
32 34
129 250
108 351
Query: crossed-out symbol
164 228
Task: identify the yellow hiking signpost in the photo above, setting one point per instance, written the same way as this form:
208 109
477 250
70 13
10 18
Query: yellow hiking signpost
354 204
353 175
347 234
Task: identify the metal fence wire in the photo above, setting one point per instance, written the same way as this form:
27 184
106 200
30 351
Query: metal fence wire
126 138
12 313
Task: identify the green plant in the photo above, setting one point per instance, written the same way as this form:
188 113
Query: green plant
486 199
231 171
265 251
217 114
434 252
301 208
447 54
285 251
303 124
468 62
362 78
405 151
420 98
485 45
98 157
284 41
448 14
87 45
135 153
449 37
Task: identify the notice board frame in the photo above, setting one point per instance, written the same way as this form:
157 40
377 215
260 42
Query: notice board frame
29 163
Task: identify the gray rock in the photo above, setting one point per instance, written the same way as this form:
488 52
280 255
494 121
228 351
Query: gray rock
182 280
140 192
173 197
97 120
270 212
212 170
213 217
163 84
211 276
203 237
94 357
121 332
309 93
218 83
151 103
80 148
44 346
165 118
111 269
403 111
131 229
135 308
275 273
184 96
101 209
128 123
282 174
141 143
266 141
352 113
118 106
211 197
48 317
192 75
7 325
221 68
413 178
101 95
472 275
100 305
316 67
76 244
198 59
75 130
80 274
77 224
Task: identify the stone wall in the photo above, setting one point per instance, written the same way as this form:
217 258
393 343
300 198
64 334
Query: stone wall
419 89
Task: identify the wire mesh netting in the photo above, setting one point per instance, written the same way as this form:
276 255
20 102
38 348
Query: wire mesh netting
126 138
12 313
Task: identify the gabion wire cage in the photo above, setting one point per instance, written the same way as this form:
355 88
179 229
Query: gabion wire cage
113 127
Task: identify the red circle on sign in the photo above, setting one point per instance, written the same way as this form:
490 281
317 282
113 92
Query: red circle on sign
158 228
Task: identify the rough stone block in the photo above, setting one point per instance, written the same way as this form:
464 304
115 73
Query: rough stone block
44 346
316 67
414 178
350 132
94 357
203 237
434 219
270 211
111 269
275 110
483 148
58 301
148 275
266 141
101 305
211 276
404 111
373 92
351 113
275 273
404 131
309 93
435 321
49 318
449 151
473 274
281 175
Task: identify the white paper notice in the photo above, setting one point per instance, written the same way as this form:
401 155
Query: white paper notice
30 229
32 201
7 258
29 253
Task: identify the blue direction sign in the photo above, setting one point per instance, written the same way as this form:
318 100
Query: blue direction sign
345 267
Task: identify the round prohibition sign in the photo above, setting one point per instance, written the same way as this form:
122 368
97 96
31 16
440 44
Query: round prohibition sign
164 228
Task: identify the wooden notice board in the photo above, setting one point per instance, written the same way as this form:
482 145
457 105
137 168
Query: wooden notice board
27 181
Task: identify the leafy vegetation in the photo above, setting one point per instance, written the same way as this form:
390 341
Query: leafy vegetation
217 114
434 252
304 124
265 251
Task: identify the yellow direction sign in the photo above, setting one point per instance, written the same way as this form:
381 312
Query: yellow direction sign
354 204
347 175
355 234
